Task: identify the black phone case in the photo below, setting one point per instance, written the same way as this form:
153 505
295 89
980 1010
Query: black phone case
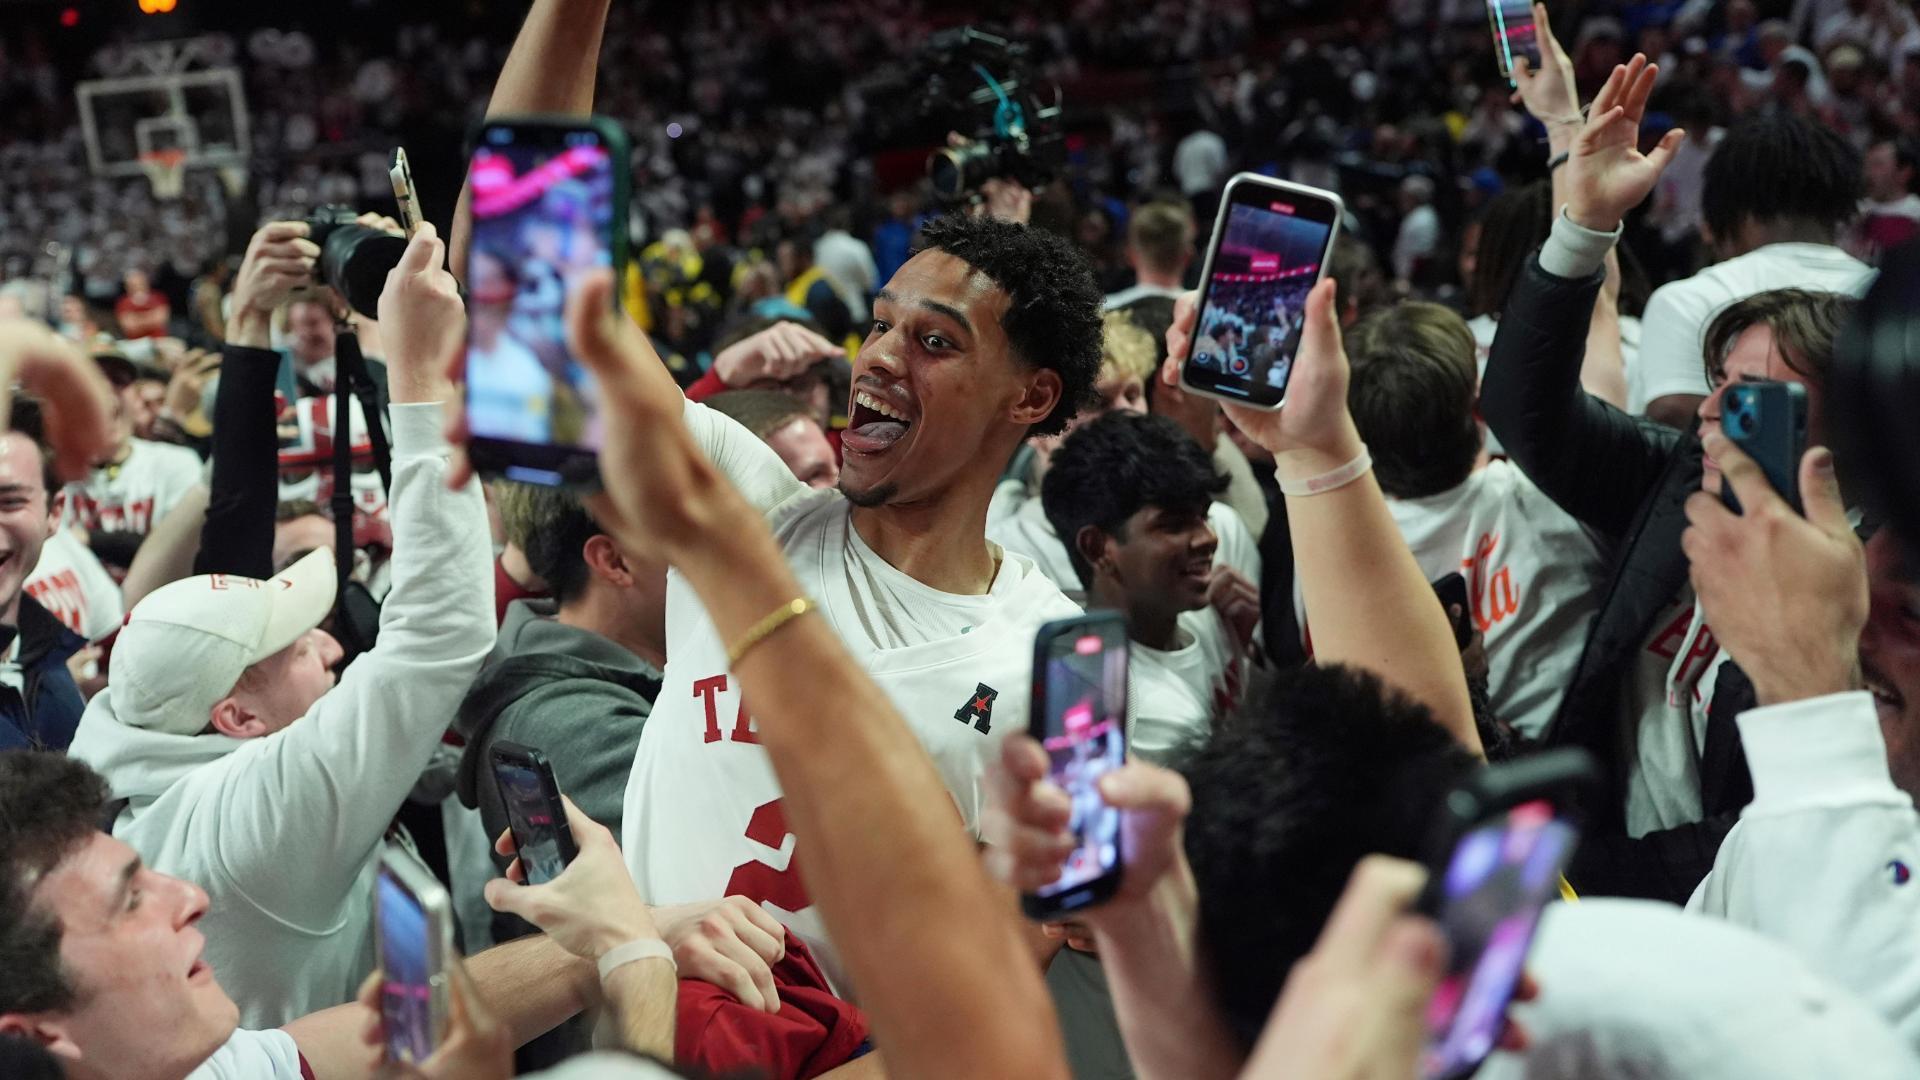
1562 776
1452 590
1767 420
526 757
1103 887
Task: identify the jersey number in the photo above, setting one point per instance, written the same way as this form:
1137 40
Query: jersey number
760 882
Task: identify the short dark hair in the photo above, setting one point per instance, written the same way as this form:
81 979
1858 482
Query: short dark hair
23 1059
1906 155
760 411
1412 394
1804 324
1512 228
1779 167
1111 468
26 417
552 527
1053 314
1355 270
50 804
1329 766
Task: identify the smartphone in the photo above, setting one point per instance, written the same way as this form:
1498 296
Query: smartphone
1504 839
413 934
1514 35
403 193
534 811
1080 716
549 200
1768 420
1272 243
1452 591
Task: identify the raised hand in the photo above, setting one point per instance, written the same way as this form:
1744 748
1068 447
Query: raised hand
1549 94
778 353
279 259
422 321
78 403
1607 175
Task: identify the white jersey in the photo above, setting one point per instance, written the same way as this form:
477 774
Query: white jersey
133 495
70 582
702 816
253 1055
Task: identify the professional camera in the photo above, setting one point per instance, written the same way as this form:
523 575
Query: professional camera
980 85
1873 395
354 259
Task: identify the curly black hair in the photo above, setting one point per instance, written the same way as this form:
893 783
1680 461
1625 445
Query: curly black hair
1113 467
1779 167
49 805
1329 766
1053 319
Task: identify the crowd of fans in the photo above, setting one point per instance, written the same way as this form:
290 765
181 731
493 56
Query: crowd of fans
857 448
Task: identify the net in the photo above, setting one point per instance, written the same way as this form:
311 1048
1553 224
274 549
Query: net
166 170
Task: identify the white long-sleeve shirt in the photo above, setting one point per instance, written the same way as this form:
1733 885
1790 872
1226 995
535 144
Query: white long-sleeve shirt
1823 859
284 831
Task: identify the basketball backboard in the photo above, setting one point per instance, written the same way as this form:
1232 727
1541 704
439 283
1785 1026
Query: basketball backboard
169 95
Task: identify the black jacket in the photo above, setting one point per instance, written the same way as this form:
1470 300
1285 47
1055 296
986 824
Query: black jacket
44 712
1627 478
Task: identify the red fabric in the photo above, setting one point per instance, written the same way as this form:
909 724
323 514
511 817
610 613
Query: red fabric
127 305
306 1070
706 386
506 591
813 1032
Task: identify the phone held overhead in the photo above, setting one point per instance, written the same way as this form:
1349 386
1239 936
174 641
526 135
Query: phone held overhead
1272 243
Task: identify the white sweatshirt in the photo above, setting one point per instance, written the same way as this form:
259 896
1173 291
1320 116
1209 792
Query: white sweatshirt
284 831
1823 859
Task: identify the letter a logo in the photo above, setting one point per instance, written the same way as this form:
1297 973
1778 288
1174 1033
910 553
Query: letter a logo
978 709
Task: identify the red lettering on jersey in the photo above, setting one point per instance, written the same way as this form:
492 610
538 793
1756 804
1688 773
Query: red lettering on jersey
705 690
761 883
62 595
1667 642
1492 591
743 727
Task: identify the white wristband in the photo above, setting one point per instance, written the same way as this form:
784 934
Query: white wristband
644 949
1328 481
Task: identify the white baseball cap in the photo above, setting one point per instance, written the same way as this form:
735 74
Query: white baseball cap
185 646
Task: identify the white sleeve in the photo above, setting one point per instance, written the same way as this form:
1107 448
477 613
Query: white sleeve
327 785
1670 340
1823 858
749 463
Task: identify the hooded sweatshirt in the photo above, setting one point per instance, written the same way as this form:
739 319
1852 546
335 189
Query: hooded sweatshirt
284 831
575 696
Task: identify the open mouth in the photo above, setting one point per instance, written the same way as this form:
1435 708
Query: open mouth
200 970
876 422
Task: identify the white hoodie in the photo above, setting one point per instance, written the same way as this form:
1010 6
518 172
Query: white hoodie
284 831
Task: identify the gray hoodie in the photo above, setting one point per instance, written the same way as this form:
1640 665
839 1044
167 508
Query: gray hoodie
284 831
575 696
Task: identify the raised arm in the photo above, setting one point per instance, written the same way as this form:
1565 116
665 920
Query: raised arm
1592 459
550 69
896 880
1369 604
351 760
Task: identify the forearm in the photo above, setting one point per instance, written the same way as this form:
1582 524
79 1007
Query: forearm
237 537
551 70
643 997
851 769
1164 1002
533 985
168 553
1603 374
1366 598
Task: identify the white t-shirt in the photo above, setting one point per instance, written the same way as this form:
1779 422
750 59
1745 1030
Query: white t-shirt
1682 183
1177 696
252 1055
1665 704
1132 293
1673 337
70 582
702 815
131 496
509 393
1534 576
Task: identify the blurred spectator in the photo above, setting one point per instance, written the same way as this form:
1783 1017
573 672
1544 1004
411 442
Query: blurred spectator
1890 213
1160 237
788 426
141 312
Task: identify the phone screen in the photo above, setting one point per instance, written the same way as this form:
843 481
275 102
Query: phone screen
1085 737
1270 250
1514 34
530 814
1500 876
406 992
543 215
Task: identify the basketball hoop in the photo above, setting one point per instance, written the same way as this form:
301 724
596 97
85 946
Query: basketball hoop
166 170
